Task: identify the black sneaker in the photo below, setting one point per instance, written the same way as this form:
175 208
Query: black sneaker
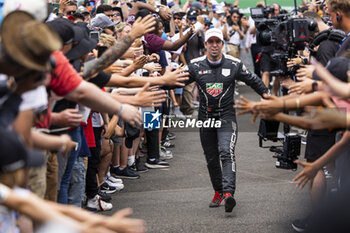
126 173
230 202
157 164
104 196
300 225
171 136
105 188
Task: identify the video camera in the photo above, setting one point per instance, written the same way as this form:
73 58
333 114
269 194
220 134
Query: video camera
285 33
290 149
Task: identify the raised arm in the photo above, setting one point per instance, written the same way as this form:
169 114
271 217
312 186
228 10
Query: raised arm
140 27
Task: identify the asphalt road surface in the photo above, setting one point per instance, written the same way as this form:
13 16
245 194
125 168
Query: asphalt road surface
176 199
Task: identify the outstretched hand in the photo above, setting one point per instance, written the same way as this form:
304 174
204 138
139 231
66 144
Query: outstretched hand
308 173
175 78
148 98
142 27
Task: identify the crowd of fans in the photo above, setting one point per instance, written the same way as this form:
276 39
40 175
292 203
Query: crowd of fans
77 75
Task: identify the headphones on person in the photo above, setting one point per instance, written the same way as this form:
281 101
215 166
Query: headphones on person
338 17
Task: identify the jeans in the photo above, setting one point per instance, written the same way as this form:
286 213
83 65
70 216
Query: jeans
65 166
219 144
77 183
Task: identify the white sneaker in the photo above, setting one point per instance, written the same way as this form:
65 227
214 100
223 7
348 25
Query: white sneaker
165 154
97 203
114 179
117 186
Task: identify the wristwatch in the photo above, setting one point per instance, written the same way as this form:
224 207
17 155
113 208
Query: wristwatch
314 86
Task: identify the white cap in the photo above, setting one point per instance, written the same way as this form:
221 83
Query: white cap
214 32
37 8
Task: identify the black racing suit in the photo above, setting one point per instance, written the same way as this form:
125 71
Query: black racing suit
216 84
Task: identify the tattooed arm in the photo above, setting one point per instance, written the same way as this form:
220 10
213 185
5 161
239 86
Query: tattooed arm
139 28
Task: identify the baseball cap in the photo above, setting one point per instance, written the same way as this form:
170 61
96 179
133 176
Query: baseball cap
14 155
84 45
192 13
197 5
82 10
102 21
214 32
66 30
338 67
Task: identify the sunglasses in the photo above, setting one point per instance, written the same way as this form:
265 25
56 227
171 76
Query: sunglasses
177 18
210 41
116 14
70 12
192 18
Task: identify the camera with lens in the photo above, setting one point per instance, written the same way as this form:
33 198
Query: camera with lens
286 34
285 154
289 152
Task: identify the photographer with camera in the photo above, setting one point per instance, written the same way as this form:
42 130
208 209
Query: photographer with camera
267 63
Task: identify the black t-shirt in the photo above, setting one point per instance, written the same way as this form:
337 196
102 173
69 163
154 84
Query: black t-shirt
101 79
194 47
326 51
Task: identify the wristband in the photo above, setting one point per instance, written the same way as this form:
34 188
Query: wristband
314 86
120 112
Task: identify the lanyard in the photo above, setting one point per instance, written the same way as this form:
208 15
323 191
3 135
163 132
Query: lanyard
345 37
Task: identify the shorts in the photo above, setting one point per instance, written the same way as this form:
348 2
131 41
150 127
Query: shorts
178 91
317 145
267 64
117 141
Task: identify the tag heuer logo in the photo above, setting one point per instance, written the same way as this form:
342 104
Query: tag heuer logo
214 89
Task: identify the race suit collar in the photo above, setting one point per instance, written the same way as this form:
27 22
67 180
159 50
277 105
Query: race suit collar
215 65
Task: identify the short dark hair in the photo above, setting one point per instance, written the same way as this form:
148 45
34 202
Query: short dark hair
79 16
103 8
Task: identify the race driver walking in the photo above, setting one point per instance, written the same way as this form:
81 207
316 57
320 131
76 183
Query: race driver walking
215 75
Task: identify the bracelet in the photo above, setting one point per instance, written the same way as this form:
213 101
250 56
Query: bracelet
123 3
284 105
120 110
297 101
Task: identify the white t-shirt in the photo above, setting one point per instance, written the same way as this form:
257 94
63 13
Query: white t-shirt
235 37
34 99
252 37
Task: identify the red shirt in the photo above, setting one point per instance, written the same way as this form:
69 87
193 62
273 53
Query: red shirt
65 78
